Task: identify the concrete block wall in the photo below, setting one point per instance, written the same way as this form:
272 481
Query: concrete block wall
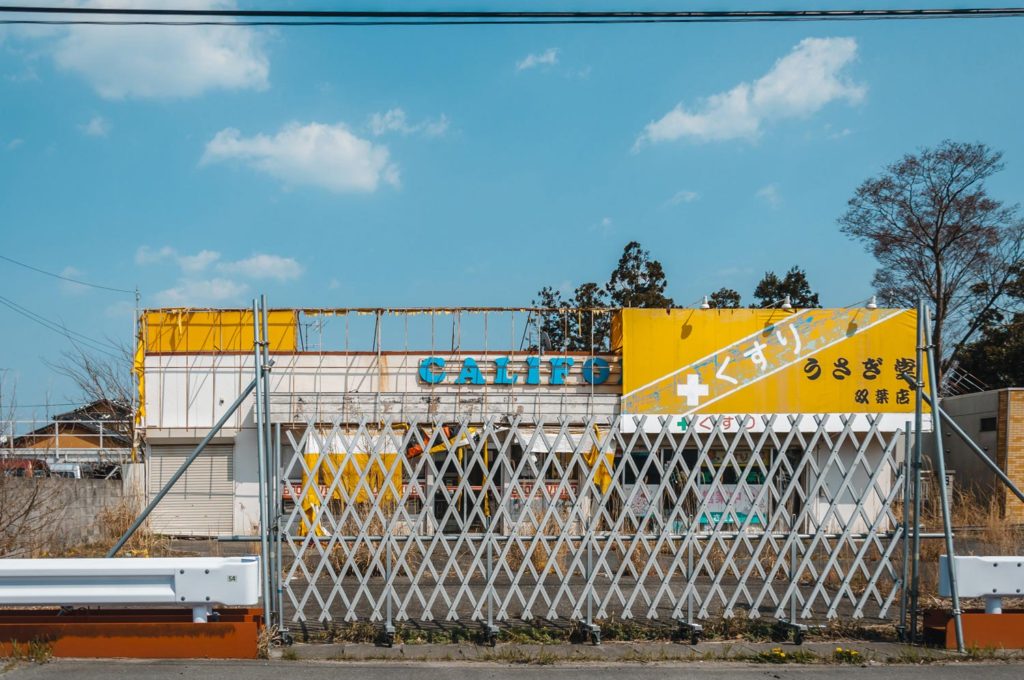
1011 438
64 513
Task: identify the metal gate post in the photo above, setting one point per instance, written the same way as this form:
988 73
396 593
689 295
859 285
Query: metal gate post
491 631
269 556
592 629
389 626
915 573
261 462
794 625
691 628
279 572
940 470
901 627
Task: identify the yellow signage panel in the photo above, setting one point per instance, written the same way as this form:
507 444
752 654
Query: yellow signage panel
214 331
685 361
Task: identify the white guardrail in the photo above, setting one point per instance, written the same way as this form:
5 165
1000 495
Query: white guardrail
992 578
196 582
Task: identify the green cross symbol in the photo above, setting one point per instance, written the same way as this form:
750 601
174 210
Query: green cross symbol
682 424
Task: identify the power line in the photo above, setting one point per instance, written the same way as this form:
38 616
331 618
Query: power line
250 17
55 403
92 343
65 278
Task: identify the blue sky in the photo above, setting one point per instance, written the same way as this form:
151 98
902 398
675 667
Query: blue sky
459 165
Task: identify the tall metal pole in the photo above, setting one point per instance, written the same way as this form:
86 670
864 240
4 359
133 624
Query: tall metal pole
261 462
915 470
267 455
940 470
181 470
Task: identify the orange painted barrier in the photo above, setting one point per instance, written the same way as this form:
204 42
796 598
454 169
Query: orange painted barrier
981 630
133 633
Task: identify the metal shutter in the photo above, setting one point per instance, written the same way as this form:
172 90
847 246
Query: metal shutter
201 503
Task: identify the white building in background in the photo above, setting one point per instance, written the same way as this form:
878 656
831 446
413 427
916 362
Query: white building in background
678 369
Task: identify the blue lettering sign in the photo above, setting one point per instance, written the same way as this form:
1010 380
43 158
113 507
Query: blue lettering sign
501 376
596 371
470 373
428 374
532 370
559 369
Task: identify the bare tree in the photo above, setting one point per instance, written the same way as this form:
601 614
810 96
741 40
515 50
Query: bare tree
938 235
98 377
20 499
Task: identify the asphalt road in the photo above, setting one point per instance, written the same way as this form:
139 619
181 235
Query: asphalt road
63 669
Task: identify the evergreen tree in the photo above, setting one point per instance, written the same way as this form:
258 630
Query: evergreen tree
583 320
551 323
638 281
771 291
724 298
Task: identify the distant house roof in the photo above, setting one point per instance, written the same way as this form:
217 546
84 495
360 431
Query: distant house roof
102 410
112 418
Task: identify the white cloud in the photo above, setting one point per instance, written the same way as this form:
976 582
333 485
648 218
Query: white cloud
798 85
392 120
605 227
159 62
262 266
70 287
122 309
196 292
15 143
770 194
26 75
98 126
227 284
548 57
395 120
684 196
146 255
199 262
316 154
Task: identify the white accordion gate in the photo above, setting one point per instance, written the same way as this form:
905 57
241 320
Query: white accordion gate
585 519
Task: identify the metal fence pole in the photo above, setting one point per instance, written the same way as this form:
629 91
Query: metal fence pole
915 572
902 627
261 463
792 581
690 582
940 470
387 577
276 524
272 566
492 632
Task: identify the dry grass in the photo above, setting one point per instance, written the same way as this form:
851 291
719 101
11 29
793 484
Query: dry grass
979 526
30 518
263 643
541 546
363 520
114 520
35 651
